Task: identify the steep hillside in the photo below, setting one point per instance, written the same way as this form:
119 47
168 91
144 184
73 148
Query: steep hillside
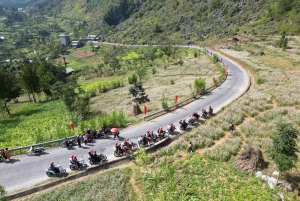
19 3
178 21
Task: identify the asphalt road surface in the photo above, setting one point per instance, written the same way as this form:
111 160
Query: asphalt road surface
25 171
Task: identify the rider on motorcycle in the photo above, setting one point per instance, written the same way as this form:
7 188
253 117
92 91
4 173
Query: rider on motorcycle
196 115
171 127
191 119
93 158
160 132
53 168
72 161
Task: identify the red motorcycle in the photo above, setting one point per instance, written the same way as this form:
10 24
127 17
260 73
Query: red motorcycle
133 146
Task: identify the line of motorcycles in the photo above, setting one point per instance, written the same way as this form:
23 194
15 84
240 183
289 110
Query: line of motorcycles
93 158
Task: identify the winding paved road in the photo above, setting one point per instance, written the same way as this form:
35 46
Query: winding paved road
23 171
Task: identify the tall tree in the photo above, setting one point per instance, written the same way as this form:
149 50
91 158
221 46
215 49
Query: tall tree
9 87
138 92
29 79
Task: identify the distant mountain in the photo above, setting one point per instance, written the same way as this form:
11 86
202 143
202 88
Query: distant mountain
19 3
176 21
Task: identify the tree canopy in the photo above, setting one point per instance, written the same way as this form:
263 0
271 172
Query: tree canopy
9 87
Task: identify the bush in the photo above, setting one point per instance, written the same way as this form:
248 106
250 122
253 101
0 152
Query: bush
164 103
2 191
133 78
153 70
200 83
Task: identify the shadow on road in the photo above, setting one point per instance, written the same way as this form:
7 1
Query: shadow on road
12 160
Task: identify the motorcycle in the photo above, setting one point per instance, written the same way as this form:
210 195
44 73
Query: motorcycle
33 151
59 168
123 152
191 120
100 158
162 136
171 129
81 165
71 144
133 146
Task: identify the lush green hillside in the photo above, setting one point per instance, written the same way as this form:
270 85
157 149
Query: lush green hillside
178 21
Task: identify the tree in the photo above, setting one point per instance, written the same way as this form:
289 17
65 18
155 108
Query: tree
46 78
283 41
200 83
100 68
74 97
29 79
284 147
114 64
138 92
9 87
141 73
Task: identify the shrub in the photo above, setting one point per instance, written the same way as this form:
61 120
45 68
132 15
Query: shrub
200 83
164 102
153 70
132 78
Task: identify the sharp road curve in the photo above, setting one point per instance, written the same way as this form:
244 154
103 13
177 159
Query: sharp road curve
25 171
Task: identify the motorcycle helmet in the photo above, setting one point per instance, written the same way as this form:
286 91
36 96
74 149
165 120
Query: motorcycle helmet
95 151
89 152
125 140
142 135
117 143
72 156
209 106
75 157
52 163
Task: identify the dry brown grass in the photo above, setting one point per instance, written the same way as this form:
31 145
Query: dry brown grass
159 84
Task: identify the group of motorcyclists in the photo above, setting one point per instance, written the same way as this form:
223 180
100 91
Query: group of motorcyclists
144 139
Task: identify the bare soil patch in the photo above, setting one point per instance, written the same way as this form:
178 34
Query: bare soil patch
82 53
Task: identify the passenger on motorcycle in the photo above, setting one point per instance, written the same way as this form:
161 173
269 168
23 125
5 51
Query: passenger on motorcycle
118 146
140 140
183 124
126 142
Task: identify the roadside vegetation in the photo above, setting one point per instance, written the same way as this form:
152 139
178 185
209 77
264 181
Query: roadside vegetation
209 170
103 95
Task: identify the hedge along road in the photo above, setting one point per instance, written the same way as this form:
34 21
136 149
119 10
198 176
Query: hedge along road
24 171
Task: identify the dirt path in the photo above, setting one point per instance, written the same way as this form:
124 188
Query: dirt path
134 186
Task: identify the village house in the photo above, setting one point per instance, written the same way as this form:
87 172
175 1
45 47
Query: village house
92 37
